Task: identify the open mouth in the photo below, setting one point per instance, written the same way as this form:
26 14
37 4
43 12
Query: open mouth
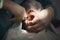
29 17
30 11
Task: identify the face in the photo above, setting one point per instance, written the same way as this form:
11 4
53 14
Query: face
41 19
31 6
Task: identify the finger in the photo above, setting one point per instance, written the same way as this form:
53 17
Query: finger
42 26
36 28
24 16
33 28
33 16
15 19
12 19
34 21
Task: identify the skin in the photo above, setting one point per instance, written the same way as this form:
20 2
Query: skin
16 10
39 23
42 16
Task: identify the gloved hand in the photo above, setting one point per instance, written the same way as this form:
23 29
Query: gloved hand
40 21
16 10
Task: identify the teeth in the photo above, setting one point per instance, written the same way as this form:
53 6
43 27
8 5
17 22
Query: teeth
1 4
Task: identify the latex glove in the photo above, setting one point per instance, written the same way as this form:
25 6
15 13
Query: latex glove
16 10
40 21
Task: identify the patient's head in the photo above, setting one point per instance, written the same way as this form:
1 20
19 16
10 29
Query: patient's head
31 5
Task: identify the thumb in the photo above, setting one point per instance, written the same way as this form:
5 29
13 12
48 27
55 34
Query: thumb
34 15
24 16
34 20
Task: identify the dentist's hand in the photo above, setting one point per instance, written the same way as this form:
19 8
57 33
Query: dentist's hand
16 10
40 21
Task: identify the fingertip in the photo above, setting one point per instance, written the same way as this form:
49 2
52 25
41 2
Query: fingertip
29 27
